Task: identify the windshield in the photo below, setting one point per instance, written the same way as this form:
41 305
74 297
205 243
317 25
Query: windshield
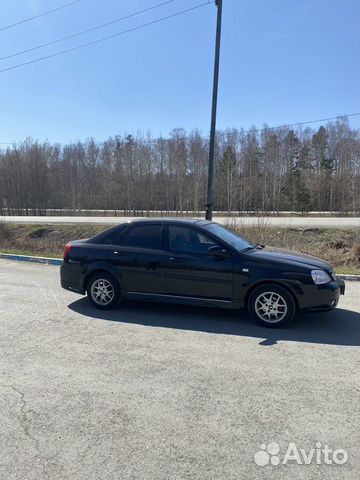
229 236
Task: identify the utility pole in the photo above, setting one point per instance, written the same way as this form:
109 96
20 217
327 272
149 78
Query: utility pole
209 198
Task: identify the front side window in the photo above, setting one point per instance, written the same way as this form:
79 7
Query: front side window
188 240
142 236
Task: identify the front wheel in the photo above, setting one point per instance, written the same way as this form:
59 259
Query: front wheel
103 291
271 306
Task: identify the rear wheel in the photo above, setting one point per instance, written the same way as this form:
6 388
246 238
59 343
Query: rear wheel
103 291
271 306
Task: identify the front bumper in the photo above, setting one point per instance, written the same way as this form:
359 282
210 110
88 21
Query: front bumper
341 284
322 297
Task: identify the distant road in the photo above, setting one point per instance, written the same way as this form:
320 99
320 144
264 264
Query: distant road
304 222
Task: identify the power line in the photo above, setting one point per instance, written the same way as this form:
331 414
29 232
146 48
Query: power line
62 7
83 32
62 52
270 128
301 123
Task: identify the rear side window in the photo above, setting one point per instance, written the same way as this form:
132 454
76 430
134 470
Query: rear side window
142 236
113 237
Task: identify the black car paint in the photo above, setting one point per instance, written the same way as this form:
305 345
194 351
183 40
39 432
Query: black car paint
164 275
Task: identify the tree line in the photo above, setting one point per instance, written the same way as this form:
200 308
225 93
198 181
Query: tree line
266 170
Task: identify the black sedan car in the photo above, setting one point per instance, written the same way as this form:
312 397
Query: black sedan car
199 263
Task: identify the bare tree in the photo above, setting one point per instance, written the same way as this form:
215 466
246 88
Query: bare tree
271 170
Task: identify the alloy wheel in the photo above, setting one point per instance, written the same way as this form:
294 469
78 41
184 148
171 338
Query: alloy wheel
270 307
102 291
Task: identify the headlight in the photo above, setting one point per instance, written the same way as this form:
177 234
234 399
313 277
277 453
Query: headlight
320 276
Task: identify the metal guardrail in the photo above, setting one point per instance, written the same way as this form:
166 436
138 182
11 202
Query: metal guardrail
138 212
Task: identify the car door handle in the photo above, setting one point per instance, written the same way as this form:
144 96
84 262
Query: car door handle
118 253
153 265
177 260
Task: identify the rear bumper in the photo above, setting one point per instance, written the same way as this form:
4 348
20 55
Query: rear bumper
70 278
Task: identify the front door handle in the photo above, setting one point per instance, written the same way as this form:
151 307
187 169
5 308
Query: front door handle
177 260
118 253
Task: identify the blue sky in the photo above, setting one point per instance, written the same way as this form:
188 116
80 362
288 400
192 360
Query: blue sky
282 61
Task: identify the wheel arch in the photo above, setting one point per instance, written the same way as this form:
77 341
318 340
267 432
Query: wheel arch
270 282
101 269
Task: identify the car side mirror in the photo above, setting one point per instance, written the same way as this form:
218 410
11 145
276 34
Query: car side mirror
217 251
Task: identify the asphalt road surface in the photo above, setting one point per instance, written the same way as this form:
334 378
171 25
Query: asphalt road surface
304 222
154 392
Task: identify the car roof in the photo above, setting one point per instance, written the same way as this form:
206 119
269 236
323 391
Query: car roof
143 220
180 221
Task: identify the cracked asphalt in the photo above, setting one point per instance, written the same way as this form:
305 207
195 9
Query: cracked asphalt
158 392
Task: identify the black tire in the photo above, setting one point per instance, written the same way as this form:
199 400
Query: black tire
103 291
271 306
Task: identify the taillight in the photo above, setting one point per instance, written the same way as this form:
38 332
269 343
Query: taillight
67 250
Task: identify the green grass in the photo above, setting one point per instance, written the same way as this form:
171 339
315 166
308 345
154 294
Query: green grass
347 271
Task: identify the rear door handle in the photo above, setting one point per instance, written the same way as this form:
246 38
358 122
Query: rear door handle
118 253
153 265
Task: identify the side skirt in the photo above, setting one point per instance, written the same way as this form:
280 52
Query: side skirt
163 298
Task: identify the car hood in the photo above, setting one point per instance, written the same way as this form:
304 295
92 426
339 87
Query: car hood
277 254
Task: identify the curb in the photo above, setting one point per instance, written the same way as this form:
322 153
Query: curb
349 277
58 261
29 258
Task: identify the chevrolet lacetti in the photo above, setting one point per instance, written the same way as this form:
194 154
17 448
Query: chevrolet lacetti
197 262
